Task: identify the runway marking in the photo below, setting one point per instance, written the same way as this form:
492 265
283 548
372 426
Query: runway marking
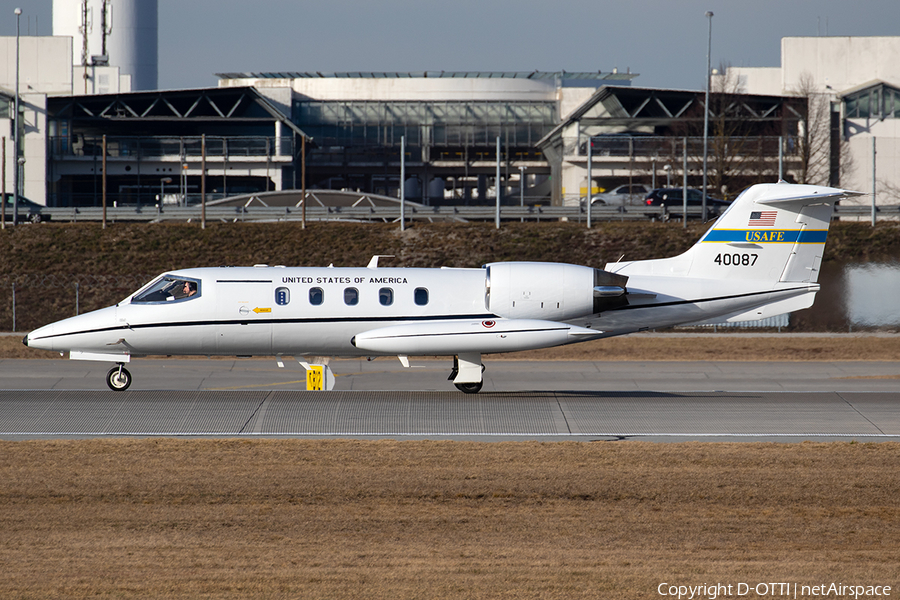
442 433
258 385
869 377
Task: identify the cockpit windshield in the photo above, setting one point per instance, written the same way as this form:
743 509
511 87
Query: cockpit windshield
169 288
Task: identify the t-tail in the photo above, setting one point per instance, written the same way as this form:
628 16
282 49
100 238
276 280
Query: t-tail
777 227
761 258
772 232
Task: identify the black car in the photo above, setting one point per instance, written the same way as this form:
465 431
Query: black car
29 211
673 199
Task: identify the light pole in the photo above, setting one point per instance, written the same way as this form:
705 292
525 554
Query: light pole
522 188
522 169
18 13
709 15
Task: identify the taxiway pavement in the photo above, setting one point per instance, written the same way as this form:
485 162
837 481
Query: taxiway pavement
554 400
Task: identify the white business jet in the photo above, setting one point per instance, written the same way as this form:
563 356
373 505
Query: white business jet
760 259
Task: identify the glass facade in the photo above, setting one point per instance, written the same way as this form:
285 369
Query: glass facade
877 102
456 124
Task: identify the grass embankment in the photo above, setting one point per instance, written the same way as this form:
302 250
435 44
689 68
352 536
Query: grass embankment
358 519
45 262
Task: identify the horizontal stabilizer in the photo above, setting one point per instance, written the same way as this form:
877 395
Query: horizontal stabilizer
803 195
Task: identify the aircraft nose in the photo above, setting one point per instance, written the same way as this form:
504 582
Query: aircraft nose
40 338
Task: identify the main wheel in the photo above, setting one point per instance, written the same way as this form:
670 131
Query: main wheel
118 379
469 388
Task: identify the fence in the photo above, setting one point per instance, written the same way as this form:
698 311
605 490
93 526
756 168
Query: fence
392 213
37 299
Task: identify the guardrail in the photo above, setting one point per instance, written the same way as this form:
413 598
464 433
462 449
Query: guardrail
347 213
392 213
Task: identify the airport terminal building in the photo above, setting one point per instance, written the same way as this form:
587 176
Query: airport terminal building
449 123
248 134
83 125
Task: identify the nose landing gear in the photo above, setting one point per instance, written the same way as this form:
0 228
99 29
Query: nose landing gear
118 379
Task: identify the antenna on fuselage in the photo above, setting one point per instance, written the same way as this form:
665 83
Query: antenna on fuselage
373 264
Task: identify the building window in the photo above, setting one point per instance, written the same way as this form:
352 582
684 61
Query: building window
879 102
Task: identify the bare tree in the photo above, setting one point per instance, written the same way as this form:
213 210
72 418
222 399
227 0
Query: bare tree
729 153
813 143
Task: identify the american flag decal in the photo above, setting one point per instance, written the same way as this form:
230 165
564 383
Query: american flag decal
763 218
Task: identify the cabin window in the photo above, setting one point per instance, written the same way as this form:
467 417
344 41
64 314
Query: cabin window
316 296
351 296
421 296
282 296
169 289
386 296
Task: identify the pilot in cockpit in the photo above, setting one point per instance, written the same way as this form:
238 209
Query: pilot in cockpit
187 290
168 289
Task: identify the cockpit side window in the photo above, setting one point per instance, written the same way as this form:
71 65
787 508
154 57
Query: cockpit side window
169 289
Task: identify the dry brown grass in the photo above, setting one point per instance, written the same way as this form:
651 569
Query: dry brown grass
725 347
359 519
675 347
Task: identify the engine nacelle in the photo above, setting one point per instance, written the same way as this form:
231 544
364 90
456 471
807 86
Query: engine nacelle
551 291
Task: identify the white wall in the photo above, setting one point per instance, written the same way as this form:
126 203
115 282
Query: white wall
765 81
34 113
840 62
33 108
887 160
572 98
45 69
45 64
835 64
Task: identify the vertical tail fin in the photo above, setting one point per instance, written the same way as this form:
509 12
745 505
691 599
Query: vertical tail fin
773 232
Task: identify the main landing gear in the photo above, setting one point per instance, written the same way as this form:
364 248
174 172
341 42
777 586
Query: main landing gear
467 373
118 379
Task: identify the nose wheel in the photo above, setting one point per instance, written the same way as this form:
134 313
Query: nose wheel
118 379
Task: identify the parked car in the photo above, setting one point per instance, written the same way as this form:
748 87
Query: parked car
673 200
28 211
623 195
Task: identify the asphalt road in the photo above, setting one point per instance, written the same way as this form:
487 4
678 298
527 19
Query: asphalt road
660 401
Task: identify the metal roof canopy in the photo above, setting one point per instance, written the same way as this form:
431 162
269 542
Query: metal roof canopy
630 106
236 104
539 75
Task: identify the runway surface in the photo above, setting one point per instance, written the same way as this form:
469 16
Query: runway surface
660 401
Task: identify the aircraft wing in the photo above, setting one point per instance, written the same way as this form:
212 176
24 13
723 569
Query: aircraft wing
459 336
